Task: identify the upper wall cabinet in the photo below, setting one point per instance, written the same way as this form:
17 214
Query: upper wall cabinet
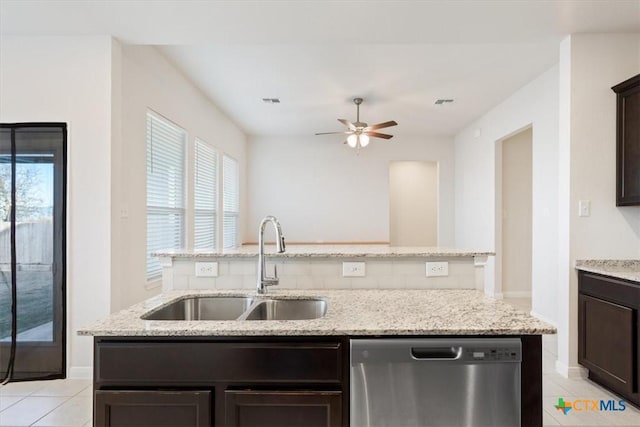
628 142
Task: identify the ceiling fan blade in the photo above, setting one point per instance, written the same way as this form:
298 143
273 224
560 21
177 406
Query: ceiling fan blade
379 135
333 133
381 125
348 124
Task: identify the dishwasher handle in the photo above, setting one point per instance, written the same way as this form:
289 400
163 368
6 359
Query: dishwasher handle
436 353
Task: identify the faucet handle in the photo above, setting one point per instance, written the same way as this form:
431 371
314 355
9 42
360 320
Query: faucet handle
275 272
282 245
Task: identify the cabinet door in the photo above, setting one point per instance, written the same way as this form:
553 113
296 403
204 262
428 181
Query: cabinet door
607 336
245 408
628 142
152 408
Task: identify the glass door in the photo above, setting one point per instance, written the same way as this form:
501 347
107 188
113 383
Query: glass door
32 250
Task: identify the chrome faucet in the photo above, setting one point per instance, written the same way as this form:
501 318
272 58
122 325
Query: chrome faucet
263 279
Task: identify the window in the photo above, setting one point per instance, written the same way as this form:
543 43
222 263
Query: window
205 196
166 145
231 201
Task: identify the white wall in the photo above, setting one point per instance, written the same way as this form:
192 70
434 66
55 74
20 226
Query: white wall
413 203
149 81
590 65
102 90
68 79
322 191
536 105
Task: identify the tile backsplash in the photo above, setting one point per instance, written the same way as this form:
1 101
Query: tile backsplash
325 273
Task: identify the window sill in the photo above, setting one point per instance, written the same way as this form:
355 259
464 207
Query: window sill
153 284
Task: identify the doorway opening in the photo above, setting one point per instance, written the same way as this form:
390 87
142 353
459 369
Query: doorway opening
514 197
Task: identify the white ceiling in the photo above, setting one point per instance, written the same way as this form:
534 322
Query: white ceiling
316 55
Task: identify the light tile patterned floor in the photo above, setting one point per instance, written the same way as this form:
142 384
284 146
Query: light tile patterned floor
67 403
56 403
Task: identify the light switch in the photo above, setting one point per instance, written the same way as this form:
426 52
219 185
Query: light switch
353 269
584 208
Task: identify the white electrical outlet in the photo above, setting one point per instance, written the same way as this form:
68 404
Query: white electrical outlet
436 269
206 269
353 269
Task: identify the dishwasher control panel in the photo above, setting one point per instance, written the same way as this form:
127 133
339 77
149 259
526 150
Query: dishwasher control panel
497 354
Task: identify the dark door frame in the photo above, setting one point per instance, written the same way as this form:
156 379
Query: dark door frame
38 360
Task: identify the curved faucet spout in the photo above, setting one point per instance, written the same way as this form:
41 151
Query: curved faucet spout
263 279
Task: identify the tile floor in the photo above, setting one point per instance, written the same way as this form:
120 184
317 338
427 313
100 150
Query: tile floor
67 403
59 403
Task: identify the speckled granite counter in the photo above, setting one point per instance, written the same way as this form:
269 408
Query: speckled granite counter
350 312
628 269
330 251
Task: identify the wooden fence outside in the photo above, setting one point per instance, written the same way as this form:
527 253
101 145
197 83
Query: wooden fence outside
34 245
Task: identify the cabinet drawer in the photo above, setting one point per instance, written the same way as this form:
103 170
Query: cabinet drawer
128 408
618 291
283 408
194 363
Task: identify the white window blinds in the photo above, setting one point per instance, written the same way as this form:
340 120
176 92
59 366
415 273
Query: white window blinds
205 196
166 145
231 201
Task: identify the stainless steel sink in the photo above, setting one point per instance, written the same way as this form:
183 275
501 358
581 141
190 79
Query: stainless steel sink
240 308
203 308
287 309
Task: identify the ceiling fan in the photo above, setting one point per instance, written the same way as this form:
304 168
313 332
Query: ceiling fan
359 132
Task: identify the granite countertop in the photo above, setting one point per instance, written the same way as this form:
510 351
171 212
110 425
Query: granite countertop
324 251
628 269
350 312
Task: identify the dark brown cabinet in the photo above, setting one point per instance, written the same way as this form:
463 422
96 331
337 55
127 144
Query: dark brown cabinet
607 345
126 408
628 142
251 408
608 332
200 381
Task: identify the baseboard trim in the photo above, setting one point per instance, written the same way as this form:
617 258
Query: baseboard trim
81 372
571 371
543 318
516 294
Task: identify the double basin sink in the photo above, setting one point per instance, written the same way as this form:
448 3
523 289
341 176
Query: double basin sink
240 308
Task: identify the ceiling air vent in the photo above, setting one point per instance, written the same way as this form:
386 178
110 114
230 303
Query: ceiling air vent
271 100
443 101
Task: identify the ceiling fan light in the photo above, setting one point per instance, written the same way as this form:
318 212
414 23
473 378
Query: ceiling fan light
352 140
364 140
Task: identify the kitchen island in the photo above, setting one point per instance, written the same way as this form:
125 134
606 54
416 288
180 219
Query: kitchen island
230 372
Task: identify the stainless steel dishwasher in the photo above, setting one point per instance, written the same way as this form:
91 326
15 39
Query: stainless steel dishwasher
435 382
